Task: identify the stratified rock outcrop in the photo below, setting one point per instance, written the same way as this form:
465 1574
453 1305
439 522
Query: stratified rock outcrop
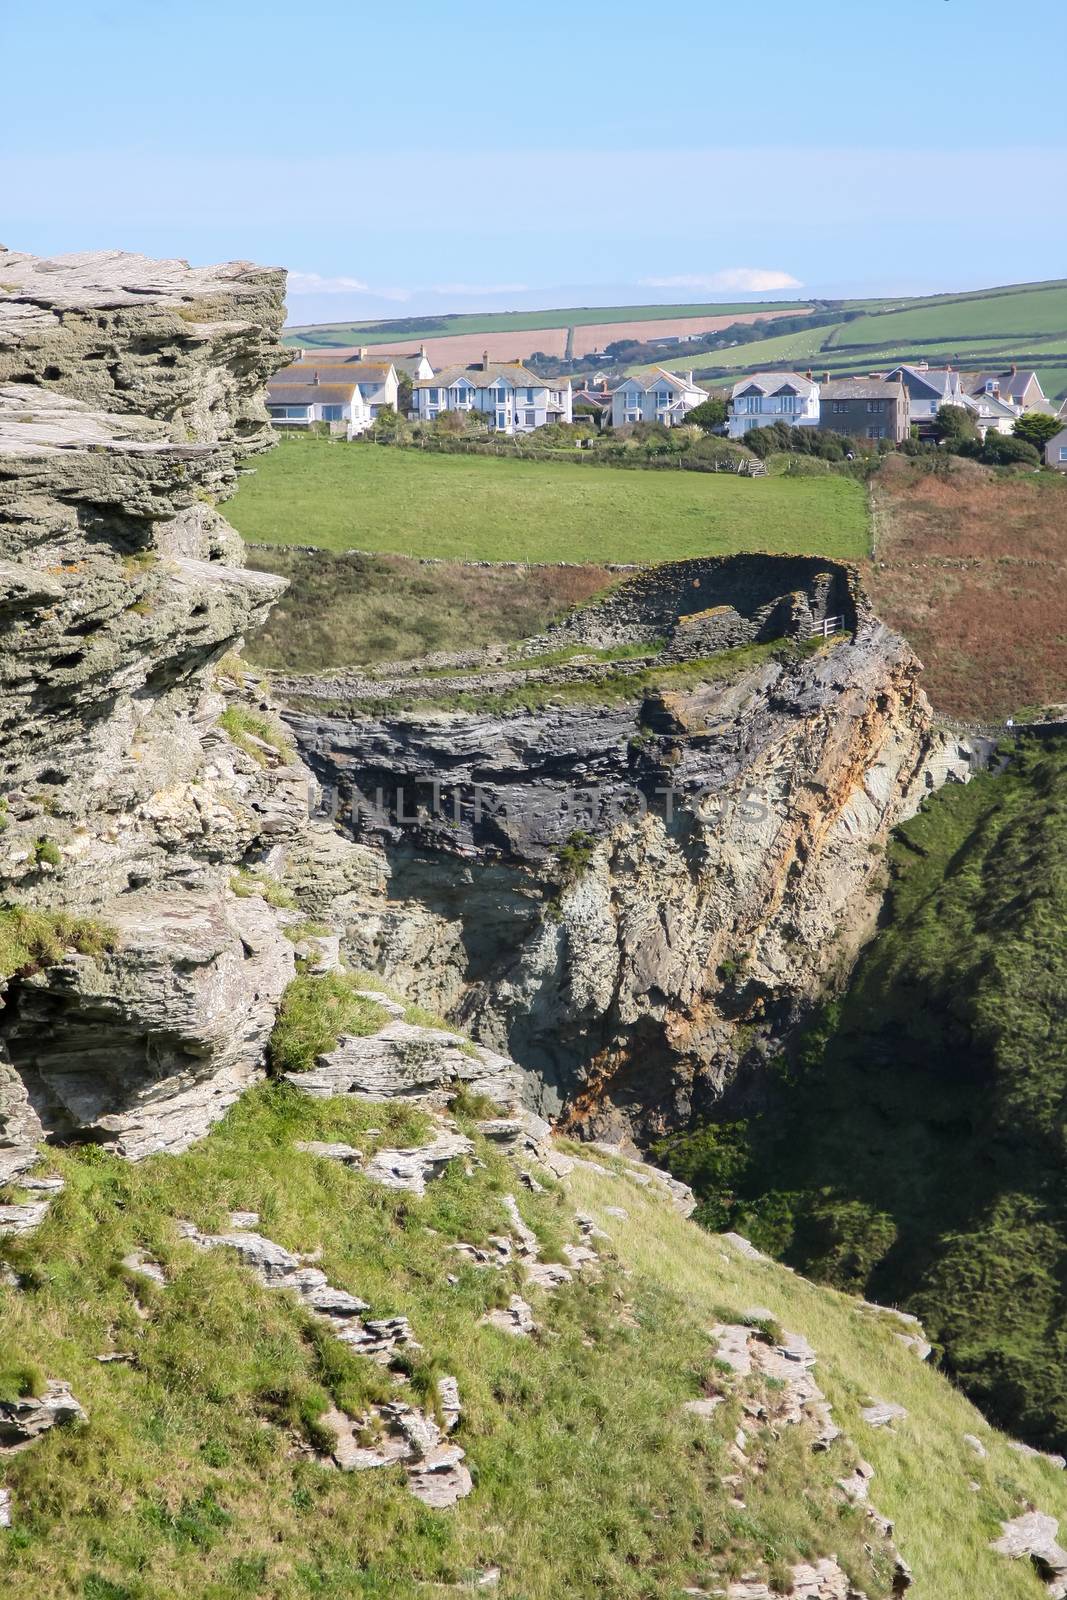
130 391
640 897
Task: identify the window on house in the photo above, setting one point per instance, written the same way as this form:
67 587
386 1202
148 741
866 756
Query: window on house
531 417
332 413
432 396
501 419
1063 452
753 402
840 406
502 397
529 397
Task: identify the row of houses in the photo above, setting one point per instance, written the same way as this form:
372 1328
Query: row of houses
348 388
885 405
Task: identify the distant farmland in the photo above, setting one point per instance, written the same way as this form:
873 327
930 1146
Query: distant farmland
1026 323
519 342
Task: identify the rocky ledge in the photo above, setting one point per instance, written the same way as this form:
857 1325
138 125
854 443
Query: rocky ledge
138 771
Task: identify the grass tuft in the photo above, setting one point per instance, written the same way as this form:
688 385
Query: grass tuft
314 1013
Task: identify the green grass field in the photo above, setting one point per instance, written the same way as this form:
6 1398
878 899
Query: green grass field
1036 311
409 502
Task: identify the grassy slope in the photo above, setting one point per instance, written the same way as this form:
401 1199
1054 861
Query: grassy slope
918 1152
922 1467
971 566
341 333
312 491
589 1478
1033 311
355 608
988 327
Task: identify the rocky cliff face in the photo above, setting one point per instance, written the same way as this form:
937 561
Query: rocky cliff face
130 390
639 898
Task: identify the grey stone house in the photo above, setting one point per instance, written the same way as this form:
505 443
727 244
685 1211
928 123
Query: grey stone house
865 408
1056 451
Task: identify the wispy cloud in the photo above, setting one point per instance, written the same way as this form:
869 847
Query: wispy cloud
479 288
735 280
315 283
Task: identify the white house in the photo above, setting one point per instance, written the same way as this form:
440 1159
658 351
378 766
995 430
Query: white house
1056 451
514 399
663 397
412 366
991 413
929 388
769 397
311 391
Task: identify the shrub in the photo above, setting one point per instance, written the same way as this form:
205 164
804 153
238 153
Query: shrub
314 1013
1002 450
709 415
46 852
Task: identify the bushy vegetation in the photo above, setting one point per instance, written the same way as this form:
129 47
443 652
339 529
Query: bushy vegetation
341 496
914 1148
254 881
31 939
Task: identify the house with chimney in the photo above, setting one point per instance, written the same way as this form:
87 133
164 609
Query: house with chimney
663 397
769 397
871 408
406 364
347 395
929 388
1020 391
514 399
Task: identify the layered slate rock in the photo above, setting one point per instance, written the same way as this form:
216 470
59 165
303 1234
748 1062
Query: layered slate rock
130 392
729 829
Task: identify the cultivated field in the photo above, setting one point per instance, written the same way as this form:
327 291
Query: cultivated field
431 327
410 502
1027 324
586 337
972 568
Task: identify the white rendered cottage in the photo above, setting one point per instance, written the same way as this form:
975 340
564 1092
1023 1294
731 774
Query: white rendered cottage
514 399
663 397
770 397
313 391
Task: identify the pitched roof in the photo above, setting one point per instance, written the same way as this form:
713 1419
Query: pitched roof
328 372
988 405
310 394
939 380
862 389
1014 383
774 383
657 379
490 376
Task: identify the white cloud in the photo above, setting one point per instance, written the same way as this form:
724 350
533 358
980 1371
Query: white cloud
737 280
480 288
315 283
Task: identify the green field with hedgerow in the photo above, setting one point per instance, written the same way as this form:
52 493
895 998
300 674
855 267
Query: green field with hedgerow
422 503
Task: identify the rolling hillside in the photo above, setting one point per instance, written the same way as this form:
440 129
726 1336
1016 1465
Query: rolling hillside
1025 323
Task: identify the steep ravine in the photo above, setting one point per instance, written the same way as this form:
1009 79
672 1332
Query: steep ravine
637 897
366 1327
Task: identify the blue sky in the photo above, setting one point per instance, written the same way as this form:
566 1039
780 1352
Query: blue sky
452 156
